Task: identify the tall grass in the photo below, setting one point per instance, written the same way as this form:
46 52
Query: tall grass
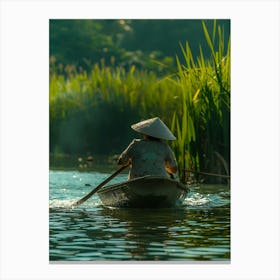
139 90
93 111
100 106
202 121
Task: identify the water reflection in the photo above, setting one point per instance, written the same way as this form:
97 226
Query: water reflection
166 234
200 230
148 232
134 234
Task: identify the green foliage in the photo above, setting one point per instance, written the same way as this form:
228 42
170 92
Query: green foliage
91 111
202 120
81 42
124 42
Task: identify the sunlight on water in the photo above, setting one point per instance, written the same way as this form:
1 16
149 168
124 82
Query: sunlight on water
68 204
56 203
211 200
199 230
196 199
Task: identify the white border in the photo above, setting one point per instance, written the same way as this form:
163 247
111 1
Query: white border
24 138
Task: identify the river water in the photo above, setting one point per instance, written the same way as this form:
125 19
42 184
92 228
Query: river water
198 231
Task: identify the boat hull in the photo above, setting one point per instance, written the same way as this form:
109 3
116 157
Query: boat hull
144 192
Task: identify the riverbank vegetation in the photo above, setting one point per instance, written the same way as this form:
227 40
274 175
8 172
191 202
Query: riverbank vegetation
91 109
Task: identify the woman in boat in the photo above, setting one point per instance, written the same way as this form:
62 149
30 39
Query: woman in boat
150 155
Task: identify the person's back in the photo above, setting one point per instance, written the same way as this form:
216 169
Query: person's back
148 157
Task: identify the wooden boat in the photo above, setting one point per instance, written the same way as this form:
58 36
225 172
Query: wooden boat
144 192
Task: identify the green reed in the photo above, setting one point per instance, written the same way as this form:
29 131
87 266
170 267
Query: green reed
194 103
139 90
90 106
202 121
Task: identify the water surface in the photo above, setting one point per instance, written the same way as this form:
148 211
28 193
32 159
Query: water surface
198 231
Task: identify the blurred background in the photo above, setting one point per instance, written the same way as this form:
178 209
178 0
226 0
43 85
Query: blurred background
108 74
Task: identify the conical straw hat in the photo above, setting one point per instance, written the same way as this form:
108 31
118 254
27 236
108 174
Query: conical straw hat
154 127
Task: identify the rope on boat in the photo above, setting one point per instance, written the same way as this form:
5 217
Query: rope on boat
209 174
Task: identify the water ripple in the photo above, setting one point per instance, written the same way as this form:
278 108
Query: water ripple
199 230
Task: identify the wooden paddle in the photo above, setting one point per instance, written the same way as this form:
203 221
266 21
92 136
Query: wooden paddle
86 197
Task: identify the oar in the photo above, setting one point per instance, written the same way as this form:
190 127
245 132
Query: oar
86 197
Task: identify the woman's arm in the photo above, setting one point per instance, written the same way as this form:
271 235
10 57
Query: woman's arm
125 157
170 161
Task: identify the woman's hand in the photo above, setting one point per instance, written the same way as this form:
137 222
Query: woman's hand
171 169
